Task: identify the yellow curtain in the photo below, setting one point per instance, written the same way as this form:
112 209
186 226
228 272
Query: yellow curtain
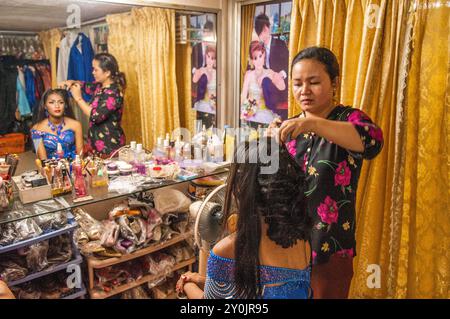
370 39
184 78
247 26
154 38
420 226
144 43
123 48
50 41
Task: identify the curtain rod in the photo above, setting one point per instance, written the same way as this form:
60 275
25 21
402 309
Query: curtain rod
22 33
86 23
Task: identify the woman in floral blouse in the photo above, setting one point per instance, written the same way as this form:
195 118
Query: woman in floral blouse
329 142
106 105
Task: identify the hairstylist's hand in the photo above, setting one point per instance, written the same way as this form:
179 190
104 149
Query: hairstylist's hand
273 130
66 84
75 89
297 126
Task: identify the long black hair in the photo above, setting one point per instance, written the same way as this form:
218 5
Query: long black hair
277 198
41 113
108 62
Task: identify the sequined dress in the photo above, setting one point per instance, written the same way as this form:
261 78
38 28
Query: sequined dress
290 283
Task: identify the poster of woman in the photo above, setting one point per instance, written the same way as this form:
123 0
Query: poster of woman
264 93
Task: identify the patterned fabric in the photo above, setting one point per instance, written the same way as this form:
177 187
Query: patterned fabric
294 283
66 139
332 174
105 132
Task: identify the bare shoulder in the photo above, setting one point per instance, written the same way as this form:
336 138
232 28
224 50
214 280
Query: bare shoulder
71 123
39 125
225 247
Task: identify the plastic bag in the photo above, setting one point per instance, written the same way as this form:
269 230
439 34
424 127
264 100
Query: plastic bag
92 227
11 271
110 233
80 237
60 250
37 256
170 201
51 221
135 293
26 228
7 234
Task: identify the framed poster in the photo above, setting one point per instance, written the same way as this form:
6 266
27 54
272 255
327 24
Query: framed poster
264 92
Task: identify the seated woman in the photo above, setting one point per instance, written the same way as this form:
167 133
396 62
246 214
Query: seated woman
268 256
55 124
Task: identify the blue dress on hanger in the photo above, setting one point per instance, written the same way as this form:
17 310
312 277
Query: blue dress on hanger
291 283
80 63
22 101
50 140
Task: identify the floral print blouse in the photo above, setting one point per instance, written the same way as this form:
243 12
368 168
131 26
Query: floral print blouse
105 132
332 174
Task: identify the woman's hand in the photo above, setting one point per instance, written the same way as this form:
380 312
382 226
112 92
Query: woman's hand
297 126
66 84
75 89
189 277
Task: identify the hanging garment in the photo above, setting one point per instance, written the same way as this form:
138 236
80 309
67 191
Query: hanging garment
8 78
46 75
80 61
30 87
63 56
22 101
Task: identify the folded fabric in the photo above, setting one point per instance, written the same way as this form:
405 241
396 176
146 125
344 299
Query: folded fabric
170 201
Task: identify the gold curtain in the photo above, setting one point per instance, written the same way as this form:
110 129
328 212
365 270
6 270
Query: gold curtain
50 41
123 48
370 39
247 26
154 38
144 43
184 78
420 219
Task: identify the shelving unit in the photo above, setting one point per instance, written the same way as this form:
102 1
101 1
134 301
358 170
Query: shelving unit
94 263
102 295
64 203
76 257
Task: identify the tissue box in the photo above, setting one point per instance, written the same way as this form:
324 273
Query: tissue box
32 194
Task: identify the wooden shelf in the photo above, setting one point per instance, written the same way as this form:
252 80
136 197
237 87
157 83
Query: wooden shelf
99 263
96 294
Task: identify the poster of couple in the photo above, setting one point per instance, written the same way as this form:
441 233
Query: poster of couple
264 93
204 79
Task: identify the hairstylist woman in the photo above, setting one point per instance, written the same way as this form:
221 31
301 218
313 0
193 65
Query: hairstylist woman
329 142
106 106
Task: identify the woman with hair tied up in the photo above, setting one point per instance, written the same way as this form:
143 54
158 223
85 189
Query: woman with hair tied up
329 142
268 257
106 106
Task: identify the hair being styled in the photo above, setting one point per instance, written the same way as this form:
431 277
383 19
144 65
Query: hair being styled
322 55
109 63
277 199
41 110
261 21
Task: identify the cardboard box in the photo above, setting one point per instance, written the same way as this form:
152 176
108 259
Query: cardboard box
32 194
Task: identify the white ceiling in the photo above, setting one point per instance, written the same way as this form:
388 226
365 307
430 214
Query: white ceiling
39 15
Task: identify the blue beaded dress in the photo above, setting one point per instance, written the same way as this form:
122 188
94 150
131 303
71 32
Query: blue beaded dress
290 283
65 138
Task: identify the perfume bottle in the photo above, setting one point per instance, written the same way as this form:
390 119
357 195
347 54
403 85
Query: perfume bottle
59 151
79 182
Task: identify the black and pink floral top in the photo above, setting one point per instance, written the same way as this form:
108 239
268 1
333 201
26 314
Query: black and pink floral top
105 132
332 174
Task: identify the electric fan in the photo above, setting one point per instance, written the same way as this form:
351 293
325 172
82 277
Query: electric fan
209 224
